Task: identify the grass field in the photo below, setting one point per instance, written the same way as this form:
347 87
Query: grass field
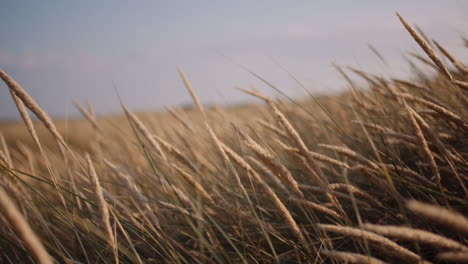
377 174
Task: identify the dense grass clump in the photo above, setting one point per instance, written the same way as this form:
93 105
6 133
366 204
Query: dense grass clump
376 175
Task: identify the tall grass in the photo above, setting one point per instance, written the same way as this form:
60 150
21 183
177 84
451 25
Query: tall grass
372 175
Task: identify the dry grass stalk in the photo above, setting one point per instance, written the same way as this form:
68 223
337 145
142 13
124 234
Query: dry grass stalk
88 115
27 120
179 194
424 61
178 117
349 257
4 160
398 170
16 89
456 257
103 206
371 126
294 136
273 163
191 91
316 156
295 153
387 246
125 234
219 146
440 215
11 183
90 108
355 191
426 47
423 143
439 145
318 190
22 229
176 153
257 94
212 134
413 85
136 191
317 207
373 176
461 84
107 196
233 216
417 235
272 128
326 159
144 131
444 112
434 100
350 154
6 150
458 64
29 156
181 210
190 179
403 137
366 76
284 212
387 131
269 173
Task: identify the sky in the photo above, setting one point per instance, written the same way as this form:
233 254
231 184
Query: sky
61 51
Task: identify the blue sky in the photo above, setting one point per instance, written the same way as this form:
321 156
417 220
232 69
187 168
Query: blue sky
64 50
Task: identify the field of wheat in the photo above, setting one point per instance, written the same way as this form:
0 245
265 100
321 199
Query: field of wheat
376 174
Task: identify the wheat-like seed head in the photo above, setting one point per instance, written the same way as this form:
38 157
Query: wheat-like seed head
350 154
6 149
191 91
136 191
440 215
88 115
22 229
459 65
387 246
443 111
423 143
4 160
413 234
27 120
264 170
273 163
16 90
317 207
103 206
461 84
145 132
294 136
176 153
454 256
190 179
277 202
426 47
432 135
411 84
